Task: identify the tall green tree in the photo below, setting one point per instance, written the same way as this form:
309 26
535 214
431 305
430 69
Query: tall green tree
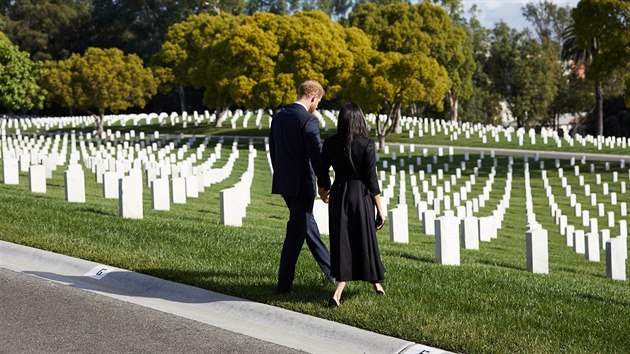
177 62
523 74
47 29
388 81
425 28
19 89
101 80
601 30
484 105
549 21
139 26
275 53
580 56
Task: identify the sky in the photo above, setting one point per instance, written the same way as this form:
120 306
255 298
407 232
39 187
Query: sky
493 11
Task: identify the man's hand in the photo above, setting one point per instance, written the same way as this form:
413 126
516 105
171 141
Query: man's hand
323 193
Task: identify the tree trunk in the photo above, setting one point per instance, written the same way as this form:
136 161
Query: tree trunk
100 121
219 112
395 115
453 102
182 97
381 142
599 104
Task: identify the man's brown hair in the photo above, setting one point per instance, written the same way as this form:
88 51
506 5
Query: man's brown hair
310 88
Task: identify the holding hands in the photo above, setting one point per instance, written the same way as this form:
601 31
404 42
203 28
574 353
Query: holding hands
324 194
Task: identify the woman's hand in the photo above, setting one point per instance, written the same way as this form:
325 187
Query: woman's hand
380 220
324 194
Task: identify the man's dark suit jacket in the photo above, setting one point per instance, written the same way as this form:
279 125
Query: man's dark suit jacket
295 148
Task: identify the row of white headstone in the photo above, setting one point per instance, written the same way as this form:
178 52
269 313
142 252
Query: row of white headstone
470 228
121 182
50 123
536 235
588 242
460 130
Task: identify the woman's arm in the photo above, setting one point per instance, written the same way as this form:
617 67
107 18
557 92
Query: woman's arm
379 210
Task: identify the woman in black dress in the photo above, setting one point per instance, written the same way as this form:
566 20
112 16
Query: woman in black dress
354 253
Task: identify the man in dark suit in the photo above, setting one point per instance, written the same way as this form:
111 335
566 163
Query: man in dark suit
295 148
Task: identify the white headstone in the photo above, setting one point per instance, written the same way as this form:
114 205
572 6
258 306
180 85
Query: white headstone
160 194
611 218
130 197
592 246
178 190
487 228
191 187
615 260
110 185
428 222
604 236
320 212
74 180
37 178
399 224
447 240
579 245
229 201
469 231
568 235
10 171
536 243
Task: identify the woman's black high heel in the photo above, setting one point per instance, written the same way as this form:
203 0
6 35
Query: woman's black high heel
332 303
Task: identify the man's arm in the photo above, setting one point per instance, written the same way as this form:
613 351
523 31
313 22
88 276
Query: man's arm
272 149
313 142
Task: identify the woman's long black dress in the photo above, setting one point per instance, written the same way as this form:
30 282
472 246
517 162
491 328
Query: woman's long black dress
354 253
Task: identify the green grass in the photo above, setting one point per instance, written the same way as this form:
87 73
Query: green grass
488 304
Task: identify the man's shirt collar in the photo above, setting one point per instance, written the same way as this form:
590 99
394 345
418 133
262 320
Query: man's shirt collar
302 104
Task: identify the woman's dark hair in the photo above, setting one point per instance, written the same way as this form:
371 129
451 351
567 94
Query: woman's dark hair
351 125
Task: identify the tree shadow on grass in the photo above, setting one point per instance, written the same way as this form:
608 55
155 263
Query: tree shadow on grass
97 211
576 272
413 257
501 265
605 301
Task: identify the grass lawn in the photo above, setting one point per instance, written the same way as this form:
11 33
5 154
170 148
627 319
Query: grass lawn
488 304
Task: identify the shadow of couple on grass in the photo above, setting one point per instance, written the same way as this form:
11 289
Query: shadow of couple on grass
193 287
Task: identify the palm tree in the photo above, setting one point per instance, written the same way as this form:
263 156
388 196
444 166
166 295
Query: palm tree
573 52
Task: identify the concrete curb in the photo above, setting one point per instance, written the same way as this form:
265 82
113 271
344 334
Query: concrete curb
272 324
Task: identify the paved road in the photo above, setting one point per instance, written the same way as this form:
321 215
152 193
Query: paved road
38 315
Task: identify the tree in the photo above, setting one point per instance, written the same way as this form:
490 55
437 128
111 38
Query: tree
580 57
101 80
388 81
18 78
426 28
600 40
522 72
484 105
549 22
47 29
176 63
606 22
275 53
